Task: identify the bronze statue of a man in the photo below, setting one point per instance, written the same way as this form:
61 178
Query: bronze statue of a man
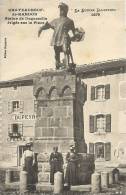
61 40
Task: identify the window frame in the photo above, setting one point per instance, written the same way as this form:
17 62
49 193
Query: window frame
107 150
16 109
96 150
98 87
19 110
106 92
99 116
93 123
15 135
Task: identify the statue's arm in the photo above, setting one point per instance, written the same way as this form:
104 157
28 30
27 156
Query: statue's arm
73 28
44 27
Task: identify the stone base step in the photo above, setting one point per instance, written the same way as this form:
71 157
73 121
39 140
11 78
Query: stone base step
81 188
12 186
48 187
44 187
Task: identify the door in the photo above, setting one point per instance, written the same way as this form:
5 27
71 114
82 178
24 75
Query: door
21 150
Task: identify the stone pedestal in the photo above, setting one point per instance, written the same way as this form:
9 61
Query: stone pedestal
60 97
59 109
8 176
104 180
58 182
23 181
111 178
96 183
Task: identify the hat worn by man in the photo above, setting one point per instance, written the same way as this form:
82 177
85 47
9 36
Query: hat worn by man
72 147
63 5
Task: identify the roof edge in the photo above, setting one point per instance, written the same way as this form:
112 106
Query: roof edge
80 69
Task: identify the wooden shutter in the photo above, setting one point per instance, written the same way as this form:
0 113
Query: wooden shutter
21 106
92 93
91 148
91 124
85 92
108 151
96 150
20 128
107 91
35 105
108 123
9 107
10 128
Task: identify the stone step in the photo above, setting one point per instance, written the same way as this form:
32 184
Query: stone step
40 187
44 187
12 186
47 187
81 188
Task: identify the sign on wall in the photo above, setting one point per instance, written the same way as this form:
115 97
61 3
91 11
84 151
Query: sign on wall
24 117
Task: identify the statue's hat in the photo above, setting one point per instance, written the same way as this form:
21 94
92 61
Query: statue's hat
63 5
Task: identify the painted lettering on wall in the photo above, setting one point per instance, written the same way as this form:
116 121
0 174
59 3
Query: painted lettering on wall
24 117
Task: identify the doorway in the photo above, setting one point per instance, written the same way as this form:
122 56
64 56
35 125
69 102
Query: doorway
20 152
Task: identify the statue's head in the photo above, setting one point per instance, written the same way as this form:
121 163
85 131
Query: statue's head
63 9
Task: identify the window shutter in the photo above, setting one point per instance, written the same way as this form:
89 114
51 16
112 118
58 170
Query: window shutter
10 128
85 92
96 149
21 106
21 129
91 124
9 107
91 148
35 105
92 93
107 91
108 151
108 123
96 91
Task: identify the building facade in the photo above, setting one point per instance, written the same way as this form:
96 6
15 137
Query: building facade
17 121
104 113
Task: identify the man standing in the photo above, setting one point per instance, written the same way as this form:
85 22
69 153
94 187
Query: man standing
61 40
56 163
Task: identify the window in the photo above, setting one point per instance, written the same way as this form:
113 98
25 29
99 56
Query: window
15 106
100 92
101 150
100 123
15 128
15 131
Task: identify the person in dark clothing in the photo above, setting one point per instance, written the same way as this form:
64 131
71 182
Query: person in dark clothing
71 168
56 163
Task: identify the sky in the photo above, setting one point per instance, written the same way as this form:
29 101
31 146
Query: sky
105 36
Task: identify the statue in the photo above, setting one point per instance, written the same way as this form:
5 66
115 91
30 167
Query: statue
61 40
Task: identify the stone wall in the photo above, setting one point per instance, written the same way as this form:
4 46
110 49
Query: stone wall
56 108
59 110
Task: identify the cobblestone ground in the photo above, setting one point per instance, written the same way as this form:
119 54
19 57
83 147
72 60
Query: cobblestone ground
119 189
